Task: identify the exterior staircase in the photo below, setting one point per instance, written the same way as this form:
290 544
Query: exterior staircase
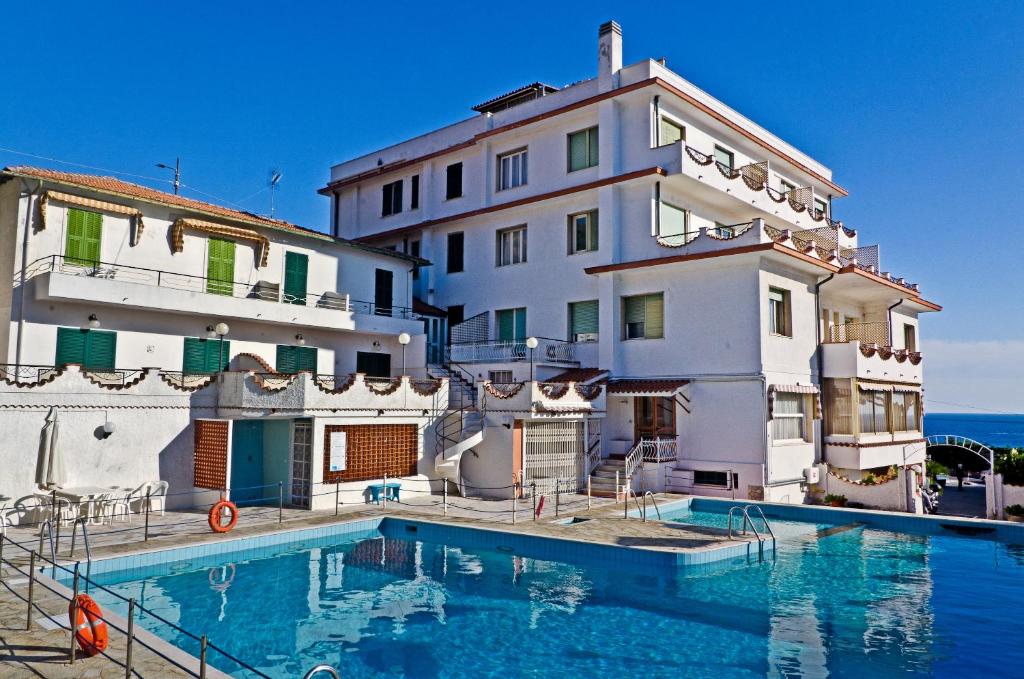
461 391
462 427
602 478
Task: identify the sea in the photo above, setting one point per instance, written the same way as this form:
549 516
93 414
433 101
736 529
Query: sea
996 431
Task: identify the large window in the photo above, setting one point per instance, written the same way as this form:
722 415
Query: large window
511 324
373 364
205 355
582 149
905 406
510 246
220 266
724 157
391 199
456 245
82 244
820 207
672 220
583 321
583 232
643 316
779 312
91 349
453 181
669 132
512 169
909 337
874 411
291 359
839 406
789 417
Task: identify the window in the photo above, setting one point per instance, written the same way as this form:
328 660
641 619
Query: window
453 181
291 360
511 246
500 376
724 157
582 149
703 478
296 266
785 186
511 324
643 316
909 337
779 312
904 411
583 321
838 406
724 230
220 266
583 232
383 291
820 207
874 412
391 199
456 242
414 193
414 250
672 220
205 355
512 169
669 132
84 230
789 418
373 364
91 349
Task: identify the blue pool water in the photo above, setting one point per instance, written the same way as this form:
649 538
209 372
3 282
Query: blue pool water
386 602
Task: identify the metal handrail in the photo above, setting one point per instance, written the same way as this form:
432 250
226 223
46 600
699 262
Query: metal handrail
322 668
653 502
748 521
85 538
48 527
767 525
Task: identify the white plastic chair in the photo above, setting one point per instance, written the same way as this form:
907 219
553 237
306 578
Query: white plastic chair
102 508
137 498
120 505
158 496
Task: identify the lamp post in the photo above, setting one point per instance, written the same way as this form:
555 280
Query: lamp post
177 173
221 329
404 340
531 344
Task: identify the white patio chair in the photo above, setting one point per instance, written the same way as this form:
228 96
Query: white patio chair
120 505
137 498
158 496
102 508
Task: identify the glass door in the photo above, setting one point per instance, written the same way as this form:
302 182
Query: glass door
302 456
654 417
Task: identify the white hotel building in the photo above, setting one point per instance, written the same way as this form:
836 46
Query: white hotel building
660 244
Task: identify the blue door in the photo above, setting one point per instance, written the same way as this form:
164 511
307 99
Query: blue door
247 462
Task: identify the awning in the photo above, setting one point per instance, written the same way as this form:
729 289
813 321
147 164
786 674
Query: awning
907 388
874 387
646 387
91 203
578 375
794 389
261 242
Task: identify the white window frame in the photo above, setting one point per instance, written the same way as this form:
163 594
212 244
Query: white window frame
494 375
514 172
805 428
511 246
590 222
786 300
674 122
729 152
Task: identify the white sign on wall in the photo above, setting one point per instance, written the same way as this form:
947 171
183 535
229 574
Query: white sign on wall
338 451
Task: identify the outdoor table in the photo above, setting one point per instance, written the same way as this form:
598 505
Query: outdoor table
79 495
390 491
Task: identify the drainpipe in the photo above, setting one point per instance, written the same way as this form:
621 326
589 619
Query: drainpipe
657 208
657 120
821 357
26 193
888 313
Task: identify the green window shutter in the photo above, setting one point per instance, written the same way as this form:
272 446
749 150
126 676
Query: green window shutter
92 236
287 360
593 230
592 147
654 316
100 349
217 351
583 317
70 346
296 266
506 324
634 310
520 323
220 266
305 359
194 356
577 151
84 232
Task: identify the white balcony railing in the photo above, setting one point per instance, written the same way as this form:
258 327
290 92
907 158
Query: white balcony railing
507 351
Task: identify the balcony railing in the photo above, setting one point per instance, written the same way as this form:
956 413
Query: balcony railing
865 333
260 290
506 351
33 374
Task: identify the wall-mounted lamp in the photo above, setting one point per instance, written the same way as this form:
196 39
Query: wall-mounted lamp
108 429
300 340
210 332
376 344
93 322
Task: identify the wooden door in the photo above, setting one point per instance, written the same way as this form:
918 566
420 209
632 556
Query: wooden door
654 417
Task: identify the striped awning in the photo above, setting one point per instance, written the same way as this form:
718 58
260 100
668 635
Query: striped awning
646 386
874 387
92 204
907 388
261 242
794 389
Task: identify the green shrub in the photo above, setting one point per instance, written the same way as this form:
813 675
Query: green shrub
1011 465
869 479
1015 510
831 498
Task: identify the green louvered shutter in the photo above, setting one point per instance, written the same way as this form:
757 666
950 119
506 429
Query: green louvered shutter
217 350
305 359
70 346
654 316
296 266
287 360
84 232
506 324
583 318
520 315
100 349
220 266
592 143
194 360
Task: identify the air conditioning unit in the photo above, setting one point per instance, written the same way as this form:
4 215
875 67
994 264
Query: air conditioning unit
812 475
585 337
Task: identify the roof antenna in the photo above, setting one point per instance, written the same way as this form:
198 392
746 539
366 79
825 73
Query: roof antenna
275 179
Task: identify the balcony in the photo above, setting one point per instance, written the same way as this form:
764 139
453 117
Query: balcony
510 351
542 398
58 279
857 359
865 333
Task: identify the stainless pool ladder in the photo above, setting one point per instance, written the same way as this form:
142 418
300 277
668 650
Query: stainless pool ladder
653 502
322 668
84 521
747 521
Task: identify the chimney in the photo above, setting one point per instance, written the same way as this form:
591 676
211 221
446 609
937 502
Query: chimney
609 56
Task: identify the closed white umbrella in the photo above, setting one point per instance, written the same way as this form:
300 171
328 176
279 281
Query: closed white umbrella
50 470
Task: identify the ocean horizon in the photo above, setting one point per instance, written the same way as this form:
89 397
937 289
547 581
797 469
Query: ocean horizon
994 430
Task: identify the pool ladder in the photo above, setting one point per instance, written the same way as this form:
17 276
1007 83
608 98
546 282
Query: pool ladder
744 511
322 668
642 511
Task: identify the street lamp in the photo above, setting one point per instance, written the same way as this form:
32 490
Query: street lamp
531 344
404 340
220 330
177 173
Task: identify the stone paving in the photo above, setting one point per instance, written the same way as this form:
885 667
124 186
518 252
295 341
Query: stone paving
43 650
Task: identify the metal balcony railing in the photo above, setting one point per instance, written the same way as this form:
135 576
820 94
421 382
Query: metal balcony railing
865 333
260 290
33 374
505 351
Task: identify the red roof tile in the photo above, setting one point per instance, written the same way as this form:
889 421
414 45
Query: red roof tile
580 375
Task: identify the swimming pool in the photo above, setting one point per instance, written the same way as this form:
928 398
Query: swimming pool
396 598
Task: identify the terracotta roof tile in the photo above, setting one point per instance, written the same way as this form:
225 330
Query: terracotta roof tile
644 386
580 375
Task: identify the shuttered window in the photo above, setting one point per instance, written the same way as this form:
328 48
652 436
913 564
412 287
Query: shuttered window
669 132
511 324
583 321
91 349
84 232
643 316
220 266
296 266
291 360
204 355
583 149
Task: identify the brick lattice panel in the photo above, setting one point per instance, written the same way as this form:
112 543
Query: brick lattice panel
211 454
373 450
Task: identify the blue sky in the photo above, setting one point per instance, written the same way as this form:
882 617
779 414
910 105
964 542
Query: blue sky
915 106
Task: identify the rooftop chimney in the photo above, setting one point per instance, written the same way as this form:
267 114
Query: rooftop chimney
609 55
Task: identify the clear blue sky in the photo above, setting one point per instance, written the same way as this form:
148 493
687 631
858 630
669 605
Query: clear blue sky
917 107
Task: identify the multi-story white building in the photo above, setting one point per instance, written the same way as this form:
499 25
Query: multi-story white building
224 349
655 241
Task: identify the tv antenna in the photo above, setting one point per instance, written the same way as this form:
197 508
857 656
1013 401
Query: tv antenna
275 179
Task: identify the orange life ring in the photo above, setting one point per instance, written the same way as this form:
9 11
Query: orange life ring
215 515
90 629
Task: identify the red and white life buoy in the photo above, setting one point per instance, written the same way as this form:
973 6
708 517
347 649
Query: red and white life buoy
90 629
216 514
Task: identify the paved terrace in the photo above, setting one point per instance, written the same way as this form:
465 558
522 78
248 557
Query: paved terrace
43 651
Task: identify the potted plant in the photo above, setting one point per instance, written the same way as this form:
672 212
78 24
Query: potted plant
1015 513
835 500
869 480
